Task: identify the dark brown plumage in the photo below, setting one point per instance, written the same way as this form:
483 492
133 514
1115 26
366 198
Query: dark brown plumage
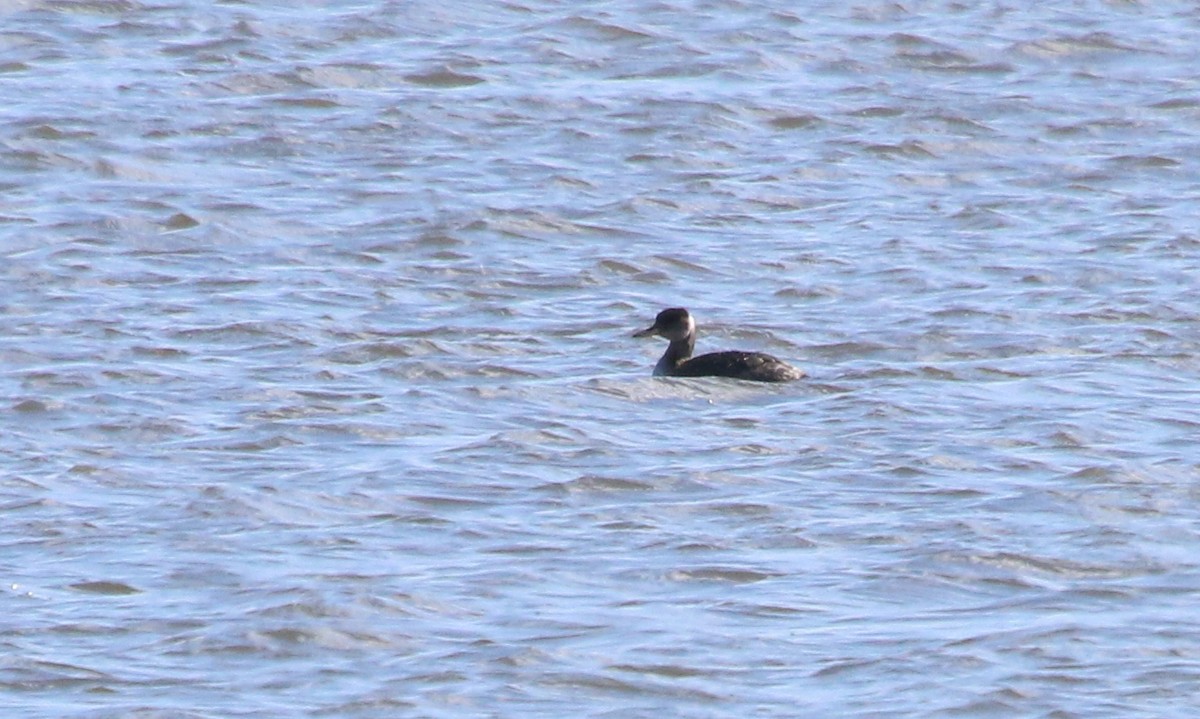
677 325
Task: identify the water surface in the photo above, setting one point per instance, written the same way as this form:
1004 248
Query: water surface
320 398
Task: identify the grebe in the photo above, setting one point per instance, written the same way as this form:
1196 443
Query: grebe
677 325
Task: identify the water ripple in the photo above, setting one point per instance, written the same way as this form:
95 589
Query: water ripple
315 350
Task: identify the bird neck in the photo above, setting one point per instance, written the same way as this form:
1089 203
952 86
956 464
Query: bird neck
678 352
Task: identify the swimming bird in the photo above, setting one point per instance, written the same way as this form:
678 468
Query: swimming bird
676 324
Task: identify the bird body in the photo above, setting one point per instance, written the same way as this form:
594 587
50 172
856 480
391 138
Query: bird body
676 324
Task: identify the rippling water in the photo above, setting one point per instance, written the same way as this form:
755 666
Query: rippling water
320 398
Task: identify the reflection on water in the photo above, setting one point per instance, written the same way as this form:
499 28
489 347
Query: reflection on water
316 356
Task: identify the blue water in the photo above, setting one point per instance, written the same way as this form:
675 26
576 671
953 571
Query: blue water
321 398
